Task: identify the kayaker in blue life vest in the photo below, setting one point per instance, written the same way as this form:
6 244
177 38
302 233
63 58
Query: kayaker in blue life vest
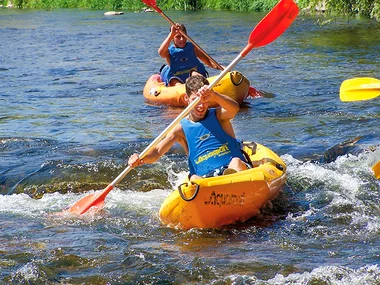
182 58
206 134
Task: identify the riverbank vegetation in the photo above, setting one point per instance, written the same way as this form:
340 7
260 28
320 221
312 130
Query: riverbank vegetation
367 8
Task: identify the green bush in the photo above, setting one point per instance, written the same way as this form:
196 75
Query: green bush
368 8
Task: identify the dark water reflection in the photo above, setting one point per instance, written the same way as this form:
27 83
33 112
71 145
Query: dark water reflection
72 110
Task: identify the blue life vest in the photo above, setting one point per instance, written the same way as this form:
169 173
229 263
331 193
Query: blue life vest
210 147
182 61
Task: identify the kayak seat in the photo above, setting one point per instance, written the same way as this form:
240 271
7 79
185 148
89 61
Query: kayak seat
248 149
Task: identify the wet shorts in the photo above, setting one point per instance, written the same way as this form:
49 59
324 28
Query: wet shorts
220 170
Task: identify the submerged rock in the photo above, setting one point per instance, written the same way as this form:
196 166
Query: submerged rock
340 149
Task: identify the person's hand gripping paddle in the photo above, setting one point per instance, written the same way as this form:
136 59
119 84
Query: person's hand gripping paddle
266 31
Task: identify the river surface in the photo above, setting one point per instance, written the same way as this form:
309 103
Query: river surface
72 111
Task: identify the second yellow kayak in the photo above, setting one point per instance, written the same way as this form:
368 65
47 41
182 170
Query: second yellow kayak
233 84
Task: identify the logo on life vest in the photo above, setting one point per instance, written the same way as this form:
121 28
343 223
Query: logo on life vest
222 150
204 137
181 72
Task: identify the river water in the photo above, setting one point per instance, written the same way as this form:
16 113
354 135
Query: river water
72 111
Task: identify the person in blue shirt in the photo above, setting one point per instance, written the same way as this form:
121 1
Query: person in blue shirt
205 133
182 58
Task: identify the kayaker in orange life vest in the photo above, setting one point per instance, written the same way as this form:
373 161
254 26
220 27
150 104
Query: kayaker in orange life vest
182 58
206 134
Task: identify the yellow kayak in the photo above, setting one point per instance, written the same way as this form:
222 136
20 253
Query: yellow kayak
217 201
233 84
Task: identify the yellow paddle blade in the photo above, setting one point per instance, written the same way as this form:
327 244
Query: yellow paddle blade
358 89
376 169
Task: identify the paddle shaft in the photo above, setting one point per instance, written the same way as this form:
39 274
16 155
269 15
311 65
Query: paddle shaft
172 125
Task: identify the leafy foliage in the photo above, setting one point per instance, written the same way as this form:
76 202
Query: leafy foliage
367 8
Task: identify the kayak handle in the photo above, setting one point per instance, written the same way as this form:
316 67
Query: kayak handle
187 184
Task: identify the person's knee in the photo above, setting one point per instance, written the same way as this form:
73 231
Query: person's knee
194 72
195 177
174 82
237 164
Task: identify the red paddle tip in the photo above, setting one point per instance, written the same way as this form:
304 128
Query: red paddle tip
254 93
152 4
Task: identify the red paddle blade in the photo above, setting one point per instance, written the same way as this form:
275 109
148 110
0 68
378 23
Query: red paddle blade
253 92
89 201
272 25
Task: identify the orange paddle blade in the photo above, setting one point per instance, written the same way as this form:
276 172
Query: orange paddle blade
89 201
376 170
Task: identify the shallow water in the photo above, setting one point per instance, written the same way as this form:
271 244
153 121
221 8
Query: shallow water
72 111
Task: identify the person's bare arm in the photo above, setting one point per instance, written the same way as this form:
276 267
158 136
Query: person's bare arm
228 107
175 135
163 50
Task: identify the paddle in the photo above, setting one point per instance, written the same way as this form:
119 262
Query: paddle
358 89
376 169
269 28
152 3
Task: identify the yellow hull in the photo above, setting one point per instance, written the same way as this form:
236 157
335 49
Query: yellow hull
222 200
233 84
